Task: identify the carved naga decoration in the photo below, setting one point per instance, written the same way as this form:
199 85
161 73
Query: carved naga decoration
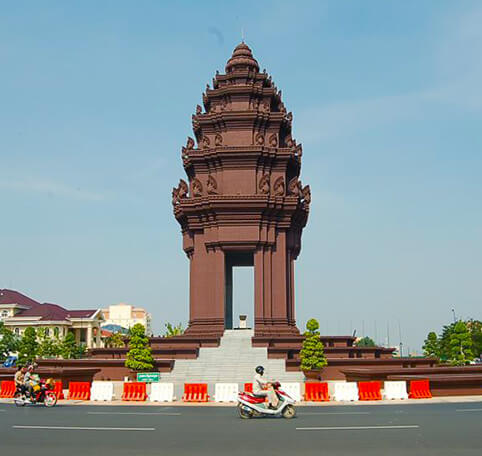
279 186
264 184
306 192
197 187
190 143
180 192
212 186
294 187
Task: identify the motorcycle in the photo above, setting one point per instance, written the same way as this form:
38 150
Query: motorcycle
250 405
42 394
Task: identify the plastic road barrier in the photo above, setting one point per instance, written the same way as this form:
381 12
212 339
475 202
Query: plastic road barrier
293 389
226 392
345 391
195 392
316 392
369 391
134 391
162 392
102 391
395 390
420 389
79 391
248 387
7 388
59 390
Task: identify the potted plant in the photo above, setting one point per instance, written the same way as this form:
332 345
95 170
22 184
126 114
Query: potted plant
312 354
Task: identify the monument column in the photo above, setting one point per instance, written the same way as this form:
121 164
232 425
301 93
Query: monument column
243 203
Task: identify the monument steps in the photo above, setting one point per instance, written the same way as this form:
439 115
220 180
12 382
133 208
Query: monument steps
232 362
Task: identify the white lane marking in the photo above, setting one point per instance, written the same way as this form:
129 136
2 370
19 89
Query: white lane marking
82 428
134 413
355 428
335 413
469 410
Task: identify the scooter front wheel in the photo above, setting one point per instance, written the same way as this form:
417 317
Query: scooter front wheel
289 412
243 413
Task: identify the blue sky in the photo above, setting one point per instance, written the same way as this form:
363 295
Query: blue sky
96 100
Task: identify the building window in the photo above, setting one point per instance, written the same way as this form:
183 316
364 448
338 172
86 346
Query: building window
56 332
47 332
4 313
17 331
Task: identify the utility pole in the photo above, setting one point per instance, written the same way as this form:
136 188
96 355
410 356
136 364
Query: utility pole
400 338
453 312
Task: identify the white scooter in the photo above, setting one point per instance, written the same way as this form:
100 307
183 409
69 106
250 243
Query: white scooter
250 405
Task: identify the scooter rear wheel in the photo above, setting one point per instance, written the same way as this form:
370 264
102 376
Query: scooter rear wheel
244 414
19 400
289 412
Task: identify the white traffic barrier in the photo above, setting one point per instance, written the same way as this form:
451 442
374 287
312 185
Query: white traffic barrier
226 392
162 392
345 391
395 390
102 391
293 390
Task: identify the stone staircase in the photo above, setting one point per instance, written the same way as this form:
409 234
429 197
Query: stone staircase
233 361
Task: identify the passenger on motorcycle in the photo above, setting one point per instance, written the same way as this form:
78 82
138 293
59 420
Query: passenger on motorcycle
20 379
262 387
31 381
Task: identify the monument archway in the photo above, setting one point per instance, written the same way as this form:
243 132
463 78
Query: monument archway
243 201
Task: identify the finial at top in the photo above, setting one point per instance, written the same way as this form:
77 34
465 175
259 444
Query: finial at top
242 59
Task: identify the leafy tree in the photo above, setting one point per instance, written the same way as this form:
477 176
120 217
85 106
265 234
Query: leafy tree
431 346
27 347
475 328
460 345
172 330
49 347
444 341
115 340
312 354
8 342
69 349
139 356
366 342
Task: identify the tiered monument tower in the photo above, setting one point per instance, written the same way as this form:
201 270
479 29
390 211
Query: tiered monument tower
243 204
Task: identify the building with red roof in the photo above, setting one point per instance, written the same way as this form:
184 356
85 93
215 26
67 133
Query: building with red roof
18 312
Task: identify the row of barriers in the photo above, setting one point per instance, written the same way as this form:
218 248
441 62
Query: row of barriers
228 392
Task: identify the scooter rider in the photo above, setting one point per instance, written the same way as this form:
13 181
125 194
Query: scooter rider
262 387
20 379
30 380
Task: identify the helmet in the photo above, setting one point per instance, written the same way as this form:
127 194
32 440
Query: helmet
259 370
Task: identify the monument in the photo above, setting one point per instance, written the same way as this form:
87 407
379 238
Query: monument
243 203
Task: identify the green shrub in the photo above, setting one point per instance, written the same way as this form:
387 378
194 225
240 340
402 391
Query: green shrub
139 356
312 354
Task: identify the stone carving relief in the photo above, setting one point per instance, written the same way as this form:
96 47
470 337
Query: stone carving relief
259 139
306 193
180 192
206 142
273 140
218 140
294 187
197 187
289 141
212 186
264 184
190 143
279 186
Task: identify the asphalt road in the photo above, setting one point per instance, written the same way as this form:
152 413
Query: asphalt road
438 429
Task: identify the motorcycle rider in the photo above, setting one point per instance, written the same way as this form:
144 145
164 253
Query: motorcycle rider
262 387
31 380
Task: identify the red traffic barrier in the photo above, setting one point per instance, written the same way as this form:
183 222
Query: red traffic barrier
316 392
420 389
134 391
195 392
7 389
58 390
79 391
248 387
369 391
